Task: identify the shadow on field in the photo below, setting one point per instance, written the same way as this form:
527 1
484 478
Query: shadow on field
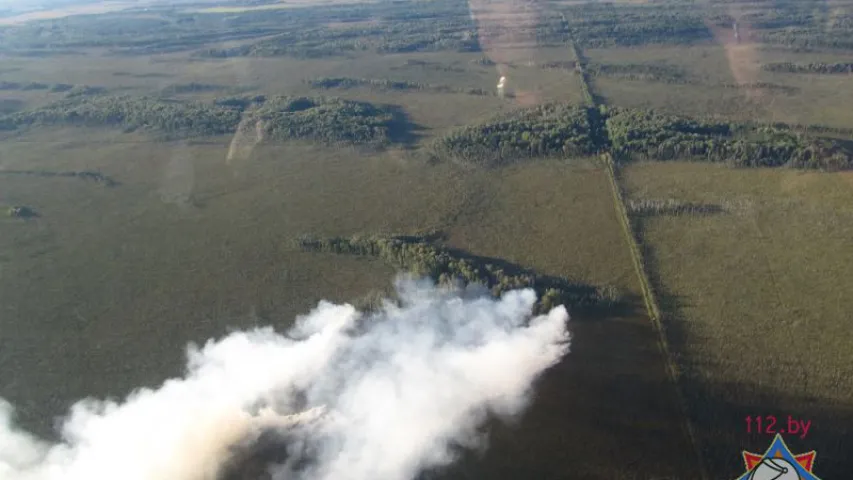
402 129
718 409
586 312
606 411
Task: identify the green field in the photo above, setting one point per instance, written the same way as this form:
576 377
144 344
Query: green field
773 336
174 156
200 246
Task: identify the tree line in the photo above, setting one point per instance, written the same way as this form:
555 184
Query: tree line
649 207
384 84
324 119
607 24
815 67
547 130
422 257
647 134
317 42
89 175
795 24
130 113
641 71
570 130
67 88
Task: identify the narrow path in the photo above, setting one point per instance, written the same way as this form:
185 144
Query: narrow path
649 298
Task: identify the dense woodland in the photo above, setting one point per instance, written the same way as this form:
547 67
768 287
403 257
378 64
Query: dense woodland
439 25
566 131
547 130
657 136
328 120
448 266
324 119
797 24
607 24
130 113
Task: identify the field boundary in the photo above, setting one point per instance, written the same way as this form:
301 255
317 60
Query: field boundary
649 299
652 308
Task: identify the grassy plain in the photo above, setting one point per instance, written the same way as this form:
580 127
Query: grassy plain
188 247
754 299
716 70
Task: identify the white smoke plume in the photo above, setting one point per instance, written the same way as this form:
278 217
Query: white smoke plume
378 396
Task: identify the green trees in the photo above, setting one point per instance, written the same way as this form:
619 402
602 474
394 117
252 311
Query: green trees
606 24
323 119
819 67
447 266
174 118
556 129
384 84
651 135
648 72
647 208
566 130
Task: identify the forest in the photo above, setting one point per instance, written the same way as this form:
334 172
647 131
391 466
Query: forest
794 24
607 24
546 130
644 134
555 129
566 131
327 120
424 257
324 119
440 25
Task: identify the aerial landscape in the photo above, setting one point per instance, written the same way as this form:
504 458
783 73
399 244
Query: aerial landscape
595 239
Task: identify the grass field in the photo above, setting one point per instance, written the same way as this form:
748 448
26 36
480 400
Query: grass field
716 70
754 299
189 247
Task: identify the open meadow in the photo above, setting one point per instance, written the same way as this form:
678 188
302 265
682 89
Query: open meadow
773 337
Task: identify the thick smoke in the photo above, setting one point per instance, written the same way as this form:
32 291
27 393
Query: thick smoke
346 395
